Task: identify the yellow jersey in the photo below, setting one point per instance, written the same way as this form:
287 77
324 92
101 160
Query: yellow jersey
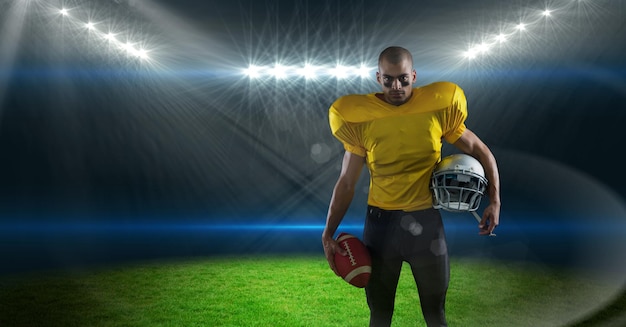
401 144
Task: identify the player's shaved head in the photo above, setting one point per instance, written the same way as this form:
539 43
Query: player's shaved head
395 55
396 75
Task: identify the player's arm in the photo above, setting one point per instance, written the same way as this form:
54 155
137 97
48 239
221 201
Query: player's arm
340 202
474 146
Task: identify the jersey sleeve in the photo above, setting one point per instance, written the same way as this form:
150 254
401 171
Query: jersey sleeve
454 122
347 133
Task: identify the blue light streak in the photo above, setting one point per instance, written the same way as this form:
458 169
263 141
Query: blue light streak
147 227
555 227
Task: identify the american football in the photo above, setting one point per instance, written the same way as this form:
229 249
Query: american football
356 267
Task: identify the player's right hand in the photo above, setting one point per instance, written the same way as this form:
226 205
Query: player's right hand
330 248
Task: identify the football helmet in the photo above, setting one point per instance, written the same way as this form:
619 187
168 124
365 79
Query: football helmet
458 183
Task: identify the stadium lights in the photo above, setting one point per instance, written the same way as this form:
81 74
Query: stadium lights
307 71
488 44
483 48
127 47
278 71
340 71
363 71
522 27
110 36
253 71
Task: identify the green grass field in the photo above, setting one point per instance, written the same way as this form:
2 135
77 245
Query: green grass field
285 291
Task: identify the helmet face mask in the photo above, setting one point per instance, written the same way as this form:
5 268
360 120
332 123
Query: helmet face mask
458 183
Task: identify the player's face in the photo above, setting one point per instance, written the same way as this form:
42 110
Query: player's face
397 81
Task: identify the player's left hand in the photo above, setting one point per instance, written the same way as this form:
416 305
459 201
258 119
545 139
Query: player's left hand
490 219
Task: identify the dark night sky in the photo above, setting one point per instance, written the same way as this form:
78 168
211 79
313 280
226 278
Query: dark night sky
87 129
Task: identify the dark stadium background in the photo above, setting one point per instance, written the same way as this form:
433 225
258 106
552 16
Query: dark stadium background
105 158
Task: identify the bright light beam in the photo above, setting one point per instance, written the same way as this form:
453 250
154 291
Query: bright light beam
253 71
308 71
529 22
279 71
110 36
128 47
340 71
493 42
363 71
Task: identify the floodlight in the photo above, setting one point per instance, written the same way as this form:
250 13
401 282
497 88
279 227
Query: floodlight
128 47
113 41
520 27
363 71
253 71
308 71
547 13
471 53
340 71
110 36
279 71
483 47
501 38
142 54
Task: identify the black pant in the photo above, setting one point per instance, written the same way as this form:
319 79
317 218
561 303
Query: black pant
418 238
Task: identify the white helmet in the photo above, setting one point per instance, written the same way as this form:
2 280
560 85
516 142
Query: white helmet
458 183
